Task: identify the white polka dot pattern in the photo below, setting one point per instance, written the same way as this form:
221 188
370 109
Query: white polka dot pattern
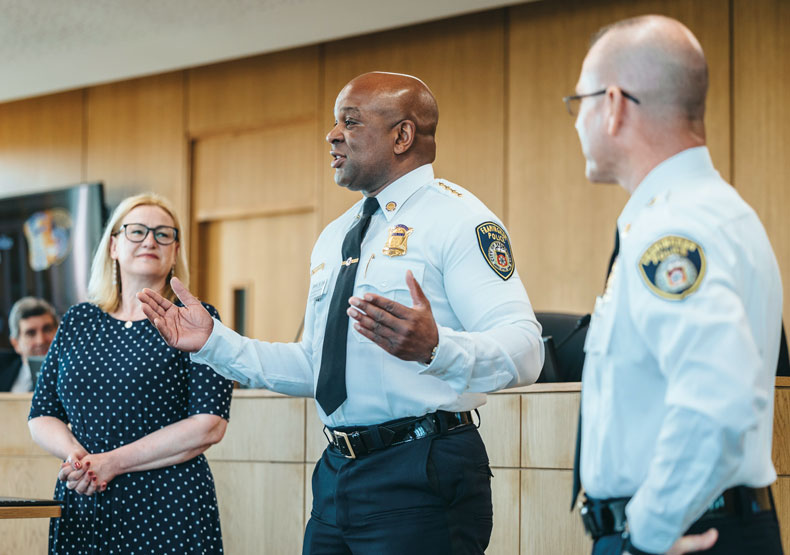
116 384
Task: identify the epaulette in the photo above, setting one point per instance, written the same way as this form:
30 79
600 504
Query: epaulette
445 187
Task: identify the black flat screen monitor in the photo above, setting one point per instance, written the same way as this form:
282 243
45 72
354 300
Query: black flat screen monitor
47 241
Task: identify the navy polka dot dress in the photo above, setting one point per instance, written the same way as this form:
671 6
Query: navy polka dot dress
115 383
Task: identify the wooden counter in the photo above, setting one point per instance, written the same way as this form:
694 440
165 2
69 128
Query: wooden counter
263 468
22 508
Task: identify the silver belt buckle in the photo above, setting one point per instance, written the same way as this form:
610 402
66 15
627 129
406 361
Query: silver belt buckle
344 436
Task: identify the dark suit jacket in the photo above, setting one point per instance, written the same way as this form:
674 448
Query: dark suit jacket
10 363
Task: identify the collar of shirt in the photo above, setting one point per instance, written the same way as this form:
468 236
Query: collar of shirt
395 195
690 162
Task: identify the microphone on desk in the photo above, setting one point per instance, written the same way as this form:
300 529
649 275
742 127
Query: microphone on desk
581 323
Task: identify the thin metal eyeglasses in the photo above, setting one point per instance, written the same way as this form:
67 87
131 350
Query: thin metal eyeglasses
136 233
572 101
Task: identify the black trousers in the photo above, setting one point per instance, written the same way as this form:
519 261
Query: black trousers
431 496
756 534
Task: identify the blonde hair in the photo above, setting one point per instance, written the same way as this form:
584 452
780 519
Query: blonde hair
102 290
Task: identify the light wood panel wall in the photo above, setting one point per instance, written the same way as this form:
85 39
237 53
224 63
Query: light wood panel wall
264 171
135 138
254 92
270 258
41 143
254 130
761 119
562 226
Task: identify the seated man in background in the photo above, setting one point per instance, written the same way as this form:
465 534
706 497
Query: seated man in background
32 324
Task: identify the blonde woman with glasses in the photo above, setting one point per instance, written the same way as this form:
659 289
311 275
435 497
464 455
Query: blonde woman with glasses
141 414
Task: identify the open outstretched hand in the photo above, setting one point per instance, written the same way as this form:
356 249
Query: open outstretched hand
185 327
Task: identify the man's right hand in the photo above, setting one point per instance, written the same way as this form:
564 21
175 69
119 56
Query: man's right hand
187 327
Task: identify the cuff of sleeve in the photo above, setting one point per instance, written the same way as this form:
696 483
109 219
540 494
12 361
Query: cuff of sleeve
651 532
448 365
204 355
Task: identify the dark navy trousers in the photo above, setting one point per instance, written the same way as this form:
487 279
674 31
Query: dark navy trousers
429 496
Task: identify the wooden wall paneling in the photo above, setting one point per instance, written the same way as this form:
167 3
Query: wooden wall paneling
462 61
548 429
262 431
14 409
562 227
781 456
135 139
41 143
254 92
761 118
273 254
269 170
545 496
29 477
781 490
249 525
505 487
500 428
315 441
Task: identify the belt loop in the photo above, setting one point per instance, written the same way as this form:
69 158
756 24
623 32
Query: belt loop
479 420
375 435
441 418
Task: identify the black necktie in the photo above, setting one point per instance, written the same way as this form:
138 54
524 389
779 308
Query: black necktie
331 389
577 479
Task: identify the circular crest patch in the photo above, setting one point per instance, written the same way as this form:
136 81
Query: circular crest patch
495 246
673 267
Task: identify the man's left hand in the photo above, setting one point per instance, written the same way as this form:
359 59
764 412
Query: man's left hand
407 333
692 543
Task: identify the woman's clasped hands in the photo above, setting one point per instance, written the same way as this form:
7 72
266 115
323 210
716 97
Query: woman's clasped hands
86 473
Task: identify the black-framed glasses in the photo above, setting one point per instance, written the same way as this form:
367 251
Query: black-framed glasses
136 233
572 102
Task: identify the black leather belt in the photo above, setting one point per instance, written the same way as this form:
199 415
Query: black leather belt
356 442
604 517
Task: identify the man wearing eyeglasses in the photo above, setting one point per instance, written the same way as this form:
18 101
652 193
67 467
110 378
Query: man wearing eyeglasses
678 384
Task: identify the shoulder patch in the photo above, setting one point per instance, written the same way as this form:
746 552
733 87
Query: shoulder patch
495 246
673 267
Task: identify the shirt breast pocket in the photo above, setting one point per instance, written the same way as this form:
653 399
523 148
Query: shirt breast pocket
387 278
318 294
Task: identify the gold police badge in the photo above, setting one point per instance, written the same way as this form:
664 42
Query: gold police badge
396 241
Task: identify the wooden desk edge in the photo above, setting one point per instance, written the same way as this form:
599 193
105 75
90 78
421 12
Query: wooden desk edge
30 511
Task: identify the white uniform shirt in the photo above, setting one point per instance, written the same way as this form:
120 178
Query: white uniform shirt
24 380
677 401
489 338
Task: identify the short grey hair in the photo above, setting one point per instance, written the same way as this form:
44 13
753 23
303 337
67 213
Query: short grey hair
27 307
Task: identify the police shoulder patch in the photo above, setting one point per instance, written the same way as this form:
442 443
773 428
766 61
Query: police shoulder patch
495 246
673 267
